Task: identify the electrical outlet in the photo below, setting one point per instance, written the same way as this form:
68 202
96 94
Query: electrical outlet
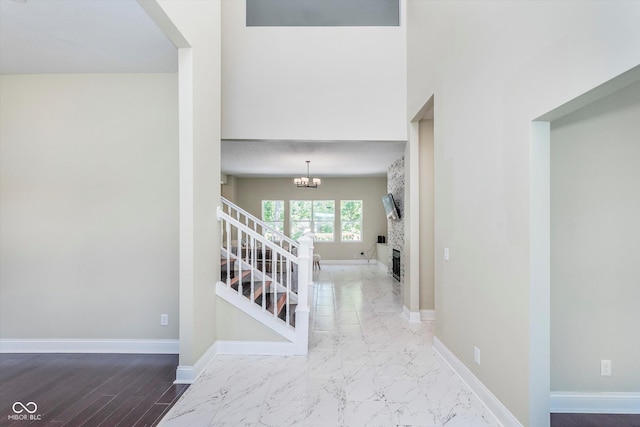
446 254
605 368
476 355
164 320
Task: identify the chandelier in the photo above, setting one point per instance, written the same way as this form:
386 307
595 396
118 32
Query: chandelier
306 181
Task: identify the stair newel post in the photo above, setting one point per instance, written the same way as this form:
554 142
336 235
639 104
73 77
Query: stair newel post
305 260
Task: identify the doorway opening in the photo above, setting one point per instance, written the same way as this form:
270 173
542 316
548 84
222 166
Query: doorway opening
578 202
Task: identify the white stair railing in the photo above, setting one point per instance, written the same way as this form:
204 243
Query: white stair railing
258 225
270 279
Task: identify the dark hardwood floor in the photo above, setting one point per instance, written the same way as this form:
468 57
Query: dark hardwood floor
128 390
87 389
594 420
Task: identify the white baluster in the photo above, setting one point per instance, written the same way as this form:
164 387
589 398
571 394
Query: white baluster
274 302
288 288
240 257
253 266
264 278
228 278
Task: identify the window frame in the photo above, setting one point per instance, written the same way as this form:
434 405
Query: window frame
312 221
360 222
270 223
316 222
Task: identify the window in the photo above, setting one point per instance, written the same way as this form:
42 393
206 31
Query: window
351 220
300 218
273 216
317 215
314 13
324 214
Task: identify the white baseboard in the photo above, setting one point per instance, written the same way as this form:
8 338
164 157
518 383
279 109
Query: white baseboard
262 348
89 346
188 374
488 399
594 403
412 316
427 315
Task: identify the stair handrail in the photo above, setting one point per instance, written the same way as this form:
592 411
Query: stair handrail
230 205
251 232
301 256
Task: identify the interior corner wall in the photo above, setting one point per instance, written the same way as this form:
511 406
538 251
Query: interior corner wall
88 206
229 189
512 62
199 74
251 192
427 255
595 207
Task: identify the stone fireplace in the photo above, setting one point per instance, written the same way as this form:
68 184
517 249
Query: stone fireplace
395 266
395 228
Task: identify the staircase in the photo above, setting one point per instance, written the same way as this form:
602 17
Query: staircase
266 274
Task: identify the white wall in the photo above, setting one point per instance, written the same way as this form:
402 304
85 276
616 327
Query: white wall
427 256
251 192
194 26
228 188
313 83
235 325
88 206
492 68
595 230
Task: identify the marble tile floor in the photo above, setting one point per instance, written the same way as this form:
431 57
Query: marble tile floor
367 366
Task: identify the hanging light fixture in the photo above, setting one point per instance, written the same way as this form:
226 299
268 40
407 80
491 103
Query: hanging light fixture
307 181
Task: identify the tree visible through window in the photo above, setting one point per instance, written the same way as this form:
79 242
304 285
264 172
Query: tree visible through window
317 216
300 217
351 220
324 214
273 216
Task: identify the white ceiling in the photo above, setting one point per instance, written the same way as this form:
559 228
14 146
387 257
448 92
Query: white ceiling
328 158
81 36
117 36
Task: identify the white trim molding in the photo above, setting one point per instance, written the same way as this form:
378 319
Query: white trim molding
489 400
189 374
186 374
572 402
89 346
427 315
411 316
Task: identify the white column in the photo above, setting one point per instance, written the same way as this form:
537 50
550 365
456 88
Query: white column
305 281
